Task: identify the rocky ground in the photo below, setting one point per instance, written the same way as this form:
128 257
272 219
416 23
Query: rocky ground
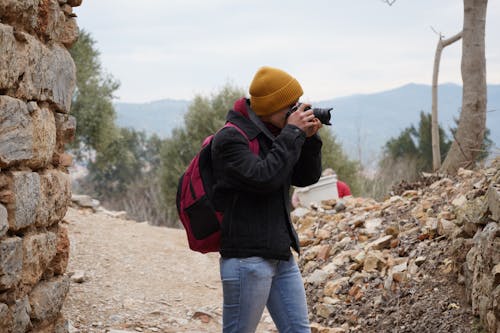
424 260
405 264
133 277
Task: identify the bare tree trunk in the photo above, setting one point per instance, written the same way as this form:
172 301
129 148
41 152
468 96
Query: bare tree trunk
472 122
436 153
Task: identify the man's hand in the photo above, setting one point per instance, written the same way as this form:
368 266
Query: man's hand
305 120
310 131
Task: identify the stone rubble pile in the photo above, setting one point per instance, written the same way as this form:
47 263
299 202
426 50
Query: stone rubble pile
86 202
37 81
358 254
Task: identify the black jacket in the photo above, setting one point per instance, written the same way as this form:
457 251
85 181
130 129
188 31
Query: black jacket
254 191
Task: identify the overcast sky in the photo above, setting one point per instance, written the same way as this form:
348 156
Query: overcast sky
180 48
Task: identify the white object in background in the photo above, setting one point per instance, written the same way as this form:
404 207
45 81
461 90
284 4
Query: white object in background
324 189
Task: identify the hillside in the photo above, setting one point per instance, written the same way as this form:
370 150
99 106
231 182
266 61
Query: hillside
425 260
365 121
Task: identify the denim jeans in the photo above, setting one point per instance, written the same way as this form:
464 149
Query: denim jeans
250 284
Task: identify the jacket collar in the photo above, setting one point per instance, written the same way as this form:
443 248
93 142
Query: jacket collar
252 125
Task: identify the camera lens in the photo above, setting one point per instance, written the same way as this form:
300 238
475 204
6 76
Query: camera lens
323 115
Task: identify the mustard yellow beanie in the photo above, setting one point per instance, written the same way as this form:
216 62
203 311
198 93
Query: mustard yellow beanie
272 90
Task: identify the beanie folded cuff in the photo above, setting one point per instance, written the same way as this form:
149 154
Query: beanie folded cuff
285 96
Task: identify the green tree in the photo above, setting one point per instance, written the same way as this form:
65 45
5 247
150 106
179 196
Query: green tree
416 145
403 145
408 155
123 164
404 158
334 157
119 164
125 176
92 101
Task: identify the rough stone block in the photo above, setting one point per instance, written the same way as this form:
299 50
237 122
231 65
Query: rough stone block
21 315
16 130
66 128
44 18
446 228
47 298
12 62
61 325
55 197
65 160
4 222
30 70
26 139
50 19
68 35
4 317
494 202
22 14
60 261
26 191
16 318
38 252
480 270
74 3
44 137
11 262
56 79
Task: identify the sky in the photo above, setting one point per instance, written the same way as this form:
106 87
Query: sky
178 49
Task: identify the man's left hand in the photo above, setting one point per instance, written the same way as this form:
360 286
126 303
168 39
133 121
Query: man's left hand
313 128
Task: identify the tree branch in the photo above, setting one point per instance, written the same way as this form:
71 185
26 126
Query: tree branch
389 2
453 39
442 43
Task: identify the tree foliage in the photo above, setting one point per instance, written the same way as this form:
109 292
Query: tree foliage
407 156
416 145
124 176
92 101
122 163
334 157
119 164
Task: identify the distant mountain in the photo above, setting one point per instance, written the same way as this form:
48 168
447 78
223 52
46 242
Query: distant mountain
362 123
158 117
367 121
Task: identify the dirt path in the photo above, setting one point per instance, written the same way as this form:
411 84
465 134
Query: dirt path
140 278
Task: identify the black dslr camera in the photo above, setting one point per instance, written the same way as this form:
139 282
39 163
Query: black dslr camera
323 114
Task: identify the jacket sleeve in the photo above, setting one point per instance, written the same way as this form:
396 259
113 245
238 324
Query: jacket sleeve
242 169
307 170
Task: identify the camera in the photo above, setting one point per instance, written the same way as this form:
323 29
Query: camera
323 114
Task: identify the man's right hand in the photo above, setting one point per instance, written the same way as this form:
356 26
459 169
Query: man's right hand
303 119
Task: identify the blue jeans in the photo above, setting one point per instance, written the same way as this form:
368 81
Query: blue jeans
250 284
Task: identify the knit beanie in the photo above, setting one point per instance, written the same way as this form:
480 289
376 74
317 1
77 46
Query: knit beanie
272 90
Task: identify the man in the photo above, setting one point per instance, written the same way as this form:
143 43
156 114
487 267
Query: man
257 266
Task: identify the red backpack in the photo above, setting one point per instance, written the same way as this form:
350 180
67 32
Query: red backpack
194 198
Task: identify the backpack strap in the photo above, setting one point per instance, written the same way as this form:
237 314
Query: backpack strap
253 144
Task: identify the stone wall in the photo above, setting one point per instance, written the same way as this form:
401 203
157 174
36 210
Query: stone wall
482 264
37 81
